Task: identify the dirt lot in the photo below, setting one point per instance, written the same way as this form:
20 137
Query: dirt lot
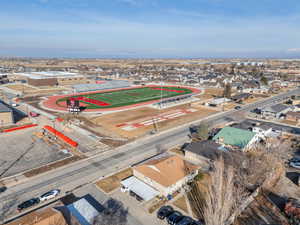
26 89
21 87
289 122
210 93
112 182
177 150
111 121
181 203
253 99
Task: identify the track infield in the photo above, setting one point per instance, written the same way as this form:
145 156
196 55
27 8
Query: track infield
117 99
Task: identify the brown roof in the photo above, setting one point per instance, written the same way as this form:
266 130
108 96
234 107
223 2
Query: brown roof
294 114
47 216
167 170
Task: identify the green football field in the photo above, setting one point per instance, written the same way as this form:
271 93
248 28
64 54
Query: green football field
118 98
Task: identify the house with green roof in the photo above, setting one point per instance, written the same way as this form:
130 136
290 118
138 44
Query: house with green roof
236 137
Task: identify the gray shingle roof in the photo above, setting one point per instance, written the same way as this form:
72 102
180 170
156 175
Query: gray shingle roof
4 108
276 108
208 149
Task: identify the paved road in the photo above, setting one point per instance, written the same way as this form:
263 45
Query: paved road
86 171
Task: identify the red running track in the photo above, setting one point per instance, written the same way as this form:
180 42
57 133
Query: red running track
50 103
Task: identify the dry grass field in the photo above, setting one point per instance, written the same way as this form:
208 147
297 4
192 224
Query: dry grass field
110 121
21 87
181 203
26 89
112 182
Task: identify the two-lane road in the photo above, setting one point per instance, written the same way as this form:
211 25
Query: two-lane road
86 171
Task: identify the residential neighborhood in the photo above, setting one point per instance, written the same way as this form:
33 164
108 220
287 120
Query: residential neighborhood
87 144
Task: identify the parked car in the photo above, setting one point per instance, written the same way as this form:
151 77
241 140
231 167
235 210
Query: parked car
185 221
2 189
197 223
164 212
33 114
295 165
49 195
295 159
28 203
174 218
237 107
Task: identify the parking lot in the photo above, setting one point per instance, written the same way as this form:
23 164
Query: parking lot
22 150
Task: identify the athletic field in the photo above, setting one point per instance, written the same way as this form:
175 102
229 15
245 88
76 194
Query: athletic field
125 97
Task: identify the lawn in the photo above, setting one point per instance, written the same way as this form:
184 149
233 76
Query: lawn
118 98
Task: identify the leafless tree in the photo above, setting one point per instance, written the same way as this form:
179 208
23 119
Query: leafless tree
257 166
216 202
234 177
113 214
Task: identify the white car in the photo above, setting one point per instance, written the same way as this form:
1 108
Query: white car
295 165
49 195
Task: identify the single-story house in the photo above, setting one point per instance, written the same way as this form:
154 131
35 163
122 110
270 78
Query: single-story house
44 216
6 115
82 211
236 138
203 152
166 174
275 110
240 97
264 130
293 116
218 101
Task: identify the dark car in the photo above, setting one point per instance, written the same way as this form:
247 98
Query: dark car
2 189
28 203
164 211
295 159
197 223
237 107
174 218
185 221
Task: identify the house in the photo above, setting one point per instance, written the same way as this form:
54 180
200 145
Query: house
6 115
45 216
240 97
218 101
166 174
82 211
264 130
275 110
293 116
203 152
236 138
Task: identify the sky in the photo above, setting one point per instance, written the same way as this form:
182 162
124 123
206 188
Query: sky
150 28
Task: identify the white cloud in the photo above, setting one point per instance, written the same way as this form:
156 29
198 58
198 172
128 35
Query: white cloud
97 33
294 50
